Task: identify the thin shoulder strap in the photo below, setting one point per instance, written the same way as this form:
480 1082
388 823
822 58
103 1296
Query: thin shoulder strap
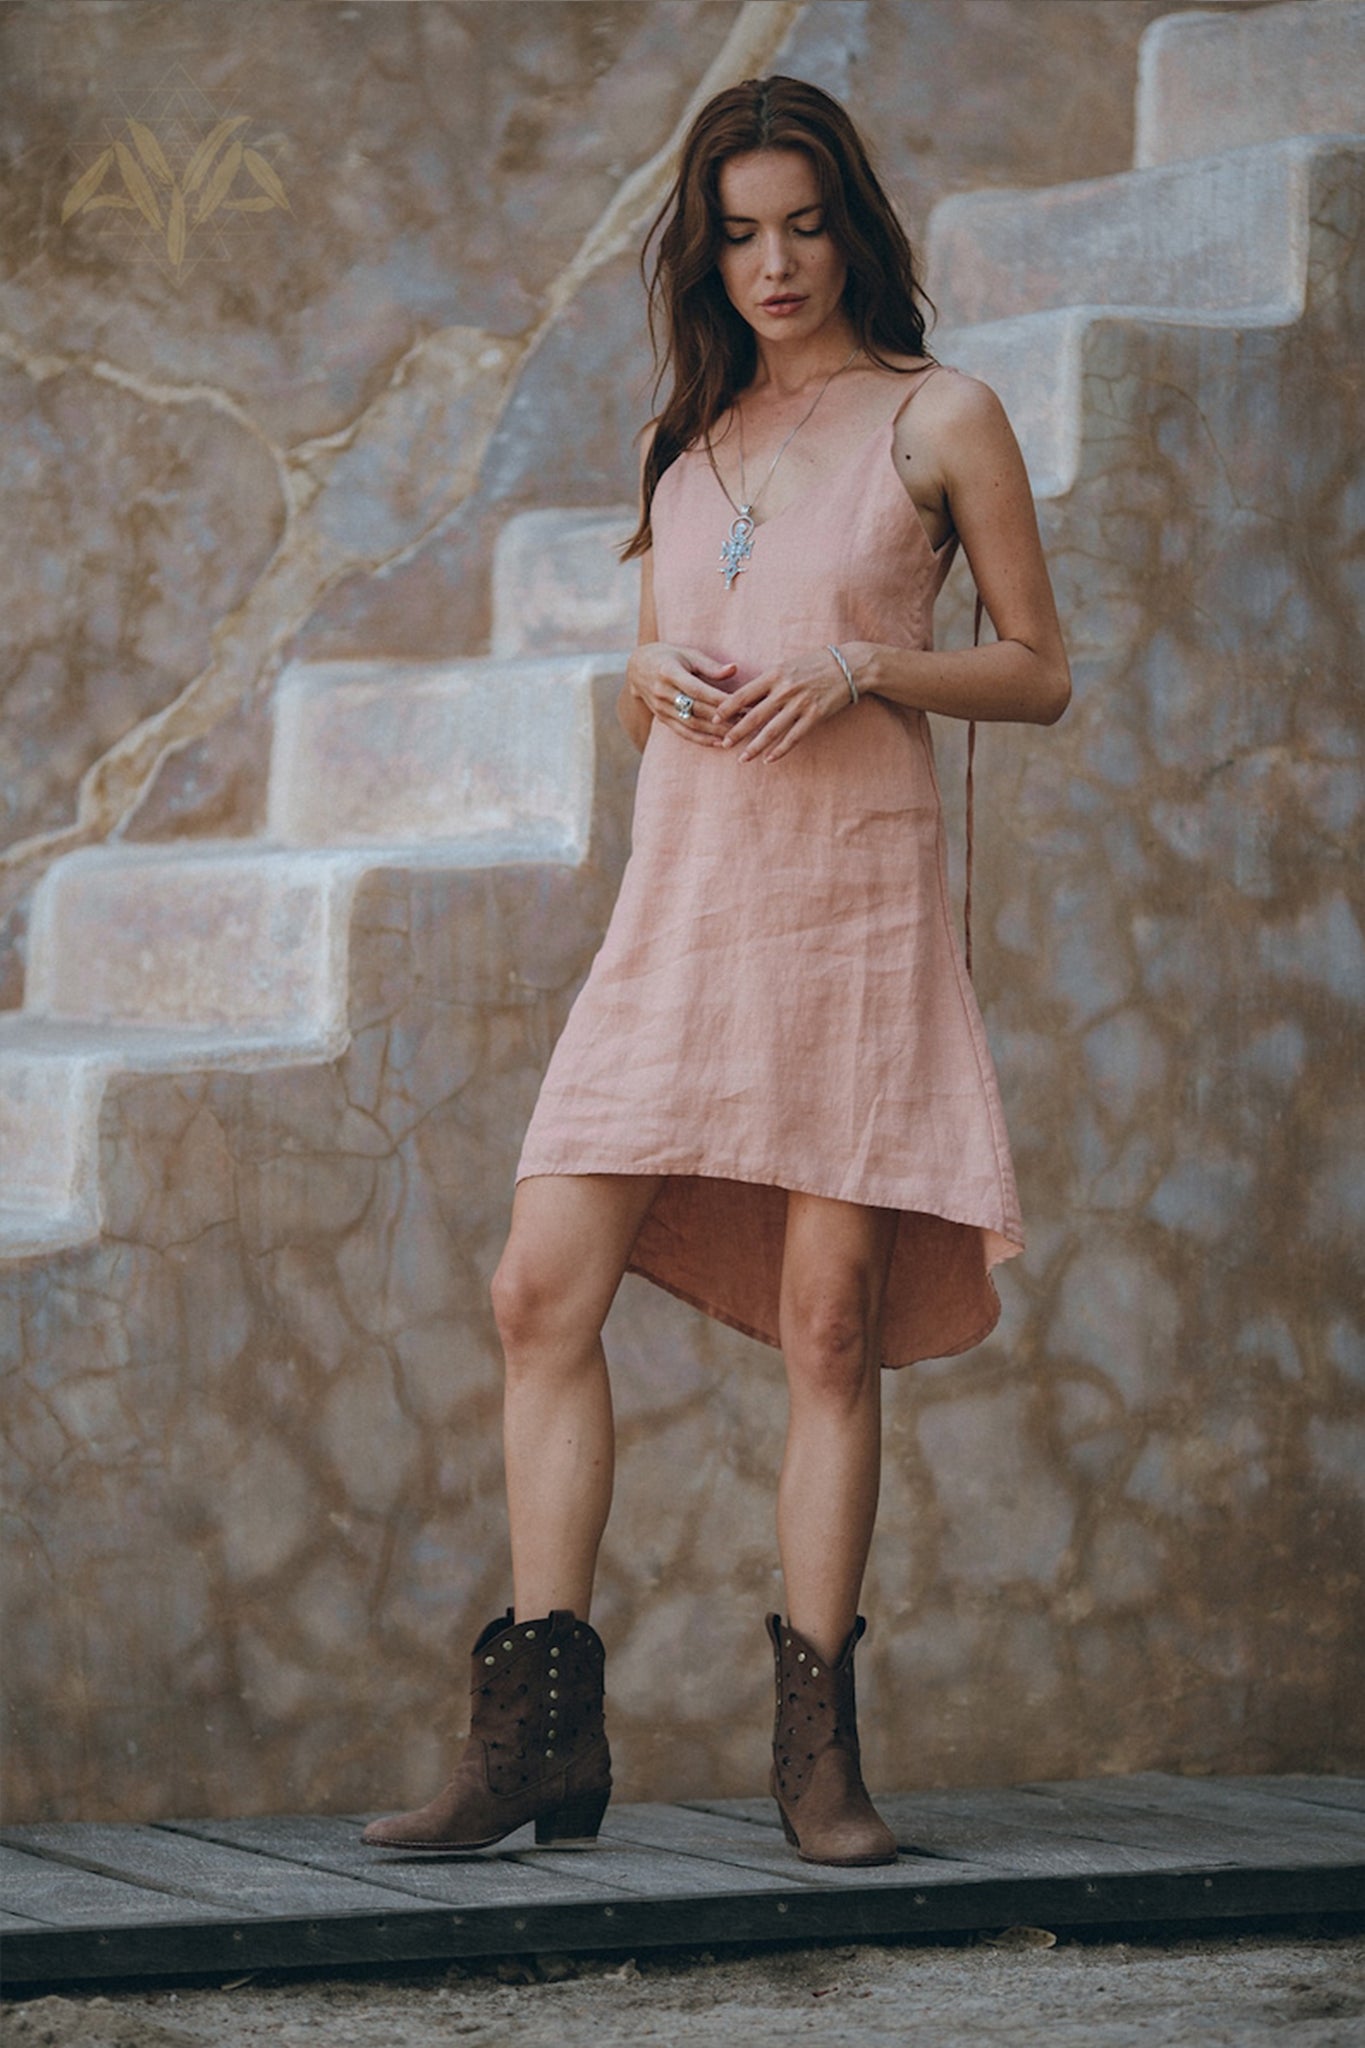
971 764
921 376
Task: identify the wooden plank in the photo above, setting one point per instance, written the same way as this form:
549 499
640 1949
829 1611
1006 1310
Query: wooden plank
1241 1801
189 1868
1185 1839
1019 1833
35 1888
1008 1836
641 1872
677 1827
696 1829
702 1852
866 1912
702 1874
1157 1837
623 1864
331 1842
652 1845
1316 1791
1179 1811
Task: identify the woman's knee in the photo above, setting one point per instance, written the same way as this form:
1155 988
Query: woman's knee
563 1260
538 1308
523 1307
829 1339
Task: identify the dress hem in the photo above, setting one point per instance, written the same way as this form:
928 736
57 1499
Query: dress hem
718 1315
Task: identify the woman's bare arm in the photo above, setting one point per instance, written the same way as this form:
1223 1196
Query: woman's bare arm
1024 675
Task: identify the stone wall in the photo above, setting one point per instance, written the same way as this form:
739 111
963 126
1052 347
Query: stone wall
253 1495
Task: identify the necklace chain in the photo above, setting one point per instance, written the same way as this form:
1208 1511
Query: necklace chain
740 544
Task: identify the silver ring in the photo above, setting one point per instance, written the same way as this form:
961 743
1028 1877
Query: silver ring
684 706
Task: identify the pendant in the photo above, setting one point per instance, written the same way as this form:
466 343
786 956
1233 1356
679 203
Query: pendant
738 547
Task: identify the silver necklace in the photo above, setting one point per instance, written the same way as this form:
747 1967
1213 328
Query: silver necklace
739 545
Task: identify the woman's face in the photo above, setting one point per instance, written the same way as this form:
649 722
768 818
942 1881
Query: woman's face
777 261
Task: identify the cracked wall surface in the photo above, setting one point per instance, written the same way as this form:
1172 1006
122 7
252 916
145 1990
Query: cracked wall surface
253 1490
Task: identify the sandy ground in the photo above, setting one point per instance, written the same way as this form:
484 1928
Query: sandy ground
1292 1990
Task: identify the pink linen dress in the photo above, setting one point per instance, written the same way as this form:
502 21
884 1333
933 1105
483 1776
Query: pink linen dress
780 1001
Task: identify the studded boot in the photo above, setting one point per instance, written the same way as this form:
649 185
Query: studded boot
817 1777
537 1746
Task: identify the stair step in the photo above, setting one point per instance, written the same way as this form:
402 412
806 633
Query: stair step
52 1076
557 584
463 764
47 1126
442 753
30 1233
236 952
1209 82
222 935
1225 235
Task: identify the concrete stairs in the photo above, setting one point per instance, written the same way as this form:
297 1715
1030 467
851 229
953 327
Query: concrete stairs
158 959
1210 81
1223 241
1239 119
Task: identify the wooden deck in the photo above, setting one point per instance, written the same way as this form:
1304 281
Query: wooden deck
86 1901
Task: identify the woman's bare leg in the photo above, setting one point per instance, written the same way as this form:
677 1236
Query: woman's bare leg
570 1238
835 1261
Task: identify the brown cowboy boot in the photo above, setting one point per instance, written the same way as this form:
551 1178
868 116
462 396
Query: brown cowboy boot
817 1777
537 1747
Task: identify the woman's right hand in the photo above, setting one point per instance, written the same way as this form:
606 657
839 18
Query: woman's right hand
657 675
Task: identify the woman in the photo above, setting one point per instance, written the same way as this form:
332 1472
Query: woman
773 1095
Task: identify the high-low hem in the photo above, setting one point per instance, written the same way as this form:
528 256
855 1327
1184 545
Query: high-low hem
734 1322
729 1294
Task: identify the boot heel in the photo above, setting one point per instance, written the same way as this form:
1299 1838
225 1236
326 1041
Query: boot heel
574 1824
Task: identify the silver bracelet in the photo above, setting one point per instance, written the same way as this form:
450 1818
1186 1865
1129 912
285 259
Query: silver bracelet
848 673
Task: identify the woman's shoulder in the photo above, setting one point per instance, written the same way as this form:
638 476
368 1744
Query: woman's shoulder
941 398
950 386
951 402
954 425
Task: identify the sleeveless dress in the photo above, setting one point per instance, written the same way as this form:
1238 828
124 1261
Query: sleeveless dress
780 1001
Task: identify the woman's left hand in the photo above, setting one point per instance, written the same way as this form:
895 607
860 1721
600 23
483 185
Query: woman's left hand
768 716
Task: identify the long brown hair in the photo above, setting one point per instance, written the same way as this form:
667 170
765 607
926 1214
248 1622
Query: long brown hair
707 346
